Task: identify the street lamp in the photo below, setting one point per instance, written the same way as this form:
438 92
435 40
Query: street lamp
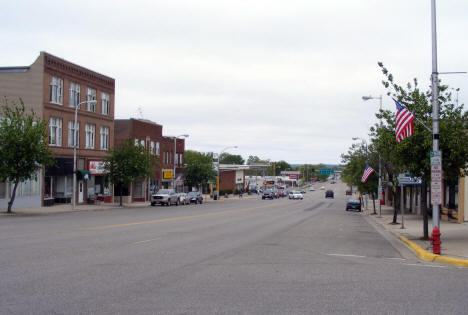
175 158
379 190
217 178
74 148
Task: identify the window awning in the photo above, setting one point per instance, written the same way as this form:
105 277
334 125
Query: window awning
83 175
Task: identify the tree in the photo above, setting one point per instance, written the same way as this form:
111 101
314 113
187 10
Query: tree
127 163
23 146
227 158
198 168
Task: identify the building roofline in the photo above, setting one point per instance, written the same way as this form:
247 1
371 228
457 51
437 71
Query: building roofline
14 69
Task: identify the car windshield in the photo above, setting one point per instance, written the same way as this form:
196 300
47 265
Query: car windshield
296 192
353 201
192 194
164 191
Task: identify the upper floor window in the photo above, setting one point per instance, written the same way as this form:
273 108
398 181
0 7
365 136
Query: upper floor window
74 98
55 131
56 90
152 148
105 104
90 96
90 136
104 138
71 133
157 149
137 142
142 143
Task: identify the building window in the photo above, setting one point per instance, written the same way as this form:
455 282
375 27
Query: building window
137 142
56 90
91 96
142 143
74 94
90 133
105 104
157 149
71 131
104 138
152 148
55 131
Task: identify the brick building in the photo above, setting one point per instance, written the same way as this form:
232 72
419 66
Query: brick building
149 134
53 87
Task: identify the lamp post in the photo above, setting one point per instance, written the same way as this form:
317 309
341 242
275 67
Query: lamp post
74 148
217 178
379 190
175 158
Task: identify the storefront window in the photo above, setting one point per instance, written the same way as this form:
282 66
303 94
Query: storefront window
139 189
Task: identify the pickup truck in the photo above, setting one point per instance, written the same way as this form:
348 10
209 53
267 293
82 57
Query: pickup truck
165 197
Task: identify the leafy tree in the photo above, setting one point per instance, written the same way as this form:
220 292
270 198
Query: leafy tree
227 158
127 163
198 169
23 146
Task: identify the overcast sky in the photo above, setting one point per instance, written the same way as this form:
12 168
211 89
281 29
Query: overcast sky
282 80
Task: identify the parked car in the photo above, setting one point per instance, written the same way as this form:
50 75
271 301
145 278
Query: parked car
183 199
322 188
312 189
329 194
295 195
268 194
349 193
282 193
165 197
303 191
353 204
195 197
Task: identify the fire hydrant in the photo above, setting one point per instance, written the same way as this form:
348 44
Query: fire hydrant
435 240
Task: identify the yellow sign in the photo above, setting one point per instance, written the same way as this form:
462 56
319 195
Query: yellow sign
168 174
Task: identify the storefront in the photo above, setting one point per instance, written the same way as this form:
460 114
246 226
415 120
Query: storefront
58 181
98 186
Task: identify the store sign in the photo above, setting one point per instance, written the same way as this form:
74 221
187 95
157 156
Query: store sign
96 168
436 178
293 176
168 174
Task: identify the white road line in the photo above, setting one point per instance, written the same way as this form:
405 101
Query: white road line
421 265
346 255
145 241
396 258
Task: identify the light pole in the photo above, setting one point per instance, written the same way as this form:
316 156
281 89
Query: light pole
217 178
175 158
74 149
379 190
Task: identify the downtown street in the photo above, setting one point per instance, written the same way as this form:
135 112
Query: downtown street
235 256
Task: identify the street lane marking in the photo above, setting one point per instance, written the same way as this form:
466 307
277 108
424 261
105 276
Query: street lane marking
112 226
146 241
346 255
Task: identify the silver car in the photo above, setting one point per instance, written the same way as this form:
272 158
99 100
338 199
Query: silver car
183 199
165 197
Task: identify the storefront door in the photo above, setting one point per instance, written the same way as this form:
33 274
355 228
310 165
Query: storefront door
80 192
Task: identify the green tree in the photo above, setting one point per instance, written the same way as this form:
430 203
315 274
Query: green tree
23 146
198 168
227 158
127 163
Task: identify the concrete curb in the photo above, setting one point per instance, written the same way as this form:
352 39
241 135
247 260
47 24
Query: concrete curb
425 255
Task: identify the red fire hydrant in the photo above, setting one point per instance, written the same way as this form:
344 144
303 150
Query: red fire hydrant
435 240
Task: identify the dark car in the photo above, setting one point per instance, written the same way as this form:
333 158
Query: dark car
349 193
269 194
329 194
195 197
353 204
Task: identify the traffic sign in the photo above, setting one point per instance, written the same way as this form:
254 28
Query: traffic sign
408 180
326 171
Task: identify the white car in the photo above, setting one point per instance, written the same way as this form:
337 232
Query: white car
322 188
295 195
312 189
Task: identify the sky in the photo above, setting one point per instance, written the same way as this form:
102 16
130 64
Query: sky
282 80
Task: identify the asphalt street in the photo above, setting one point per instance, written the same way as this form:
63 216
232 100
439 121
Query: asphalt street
247 256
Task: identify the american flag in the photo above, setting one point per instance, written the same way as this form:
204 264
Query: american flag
367 173
404 122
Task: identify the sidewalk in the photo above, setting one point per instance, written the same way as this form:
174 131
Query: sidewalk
454 247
